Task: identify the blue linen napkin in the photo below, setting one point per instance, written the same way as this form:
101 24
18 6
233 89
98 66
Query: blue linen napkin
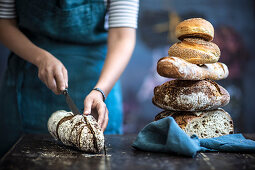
165 135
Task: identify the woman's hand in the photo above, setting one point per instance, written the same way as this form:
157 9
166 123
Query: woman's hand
94 104
52 72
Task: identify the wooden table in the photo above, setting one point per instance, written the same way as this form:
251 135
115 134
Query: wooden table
43 152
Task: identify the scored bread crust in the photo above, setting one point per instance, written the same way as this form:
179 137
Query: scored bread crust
94 131
174 67
80 131
195 27
190 95
196 51
205 124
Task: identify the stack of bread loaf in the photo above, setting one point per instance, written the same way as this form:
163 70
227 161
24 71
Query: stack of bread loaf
193 99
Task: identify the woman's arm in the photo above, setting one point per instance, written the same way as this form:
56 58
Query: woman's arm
121 42
50 70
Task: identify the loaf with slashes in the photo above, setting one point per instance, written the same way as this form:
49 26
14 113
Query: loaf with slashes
82 132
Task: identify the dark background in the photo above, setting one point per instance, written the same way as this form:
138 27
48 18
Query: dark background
233 21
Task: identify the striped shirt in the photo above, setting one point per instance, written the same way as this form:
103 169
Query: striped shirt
121 13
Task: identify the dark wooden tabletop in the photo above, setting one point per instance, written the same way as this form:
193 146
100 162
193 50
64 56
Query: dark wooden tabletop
43 152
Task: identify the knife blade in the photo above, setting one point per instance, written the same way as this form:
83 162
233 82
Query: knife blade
70 103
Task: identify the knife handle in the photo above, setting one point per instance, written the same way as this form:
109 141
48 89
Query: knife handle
64 92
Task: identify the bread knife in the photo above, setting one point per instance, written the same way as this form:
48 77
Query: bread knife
70 103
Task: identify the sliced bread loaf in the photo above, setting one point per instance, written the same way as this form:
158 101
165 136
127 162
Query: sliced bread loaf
205 124
80 131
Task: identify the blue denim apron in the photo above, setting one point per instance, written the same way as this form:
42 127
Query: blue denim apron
73 31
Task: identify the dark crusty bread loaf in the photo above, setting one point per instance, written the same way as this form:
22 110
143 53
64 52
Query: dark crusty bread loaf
196 51
174 67
205 124
189 95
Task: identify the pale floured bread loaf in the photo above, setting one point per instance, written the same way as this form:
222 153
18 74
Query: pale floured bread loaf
174 67
195 27
80 131
190 95
205 124
196 51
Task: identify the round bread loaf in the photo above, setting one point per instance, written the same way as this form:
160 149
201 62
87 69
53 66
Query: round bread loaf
174 67
195 27
204 124
196 51
190 95
80 131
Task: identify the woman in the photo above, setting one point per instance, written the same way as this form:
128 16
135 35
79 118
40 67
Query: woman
63 44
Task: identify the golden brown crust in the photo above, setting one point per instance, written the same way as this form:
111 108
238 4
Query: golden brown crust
181 117
196 51
174 67
195 27
188 95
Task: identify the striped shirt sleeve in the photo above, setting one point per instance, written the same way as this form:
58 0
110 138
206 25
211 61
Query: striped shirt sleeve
7 9
123 13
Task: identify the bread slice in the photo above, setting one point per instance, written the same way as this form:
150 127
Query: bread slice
189 95
205 124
